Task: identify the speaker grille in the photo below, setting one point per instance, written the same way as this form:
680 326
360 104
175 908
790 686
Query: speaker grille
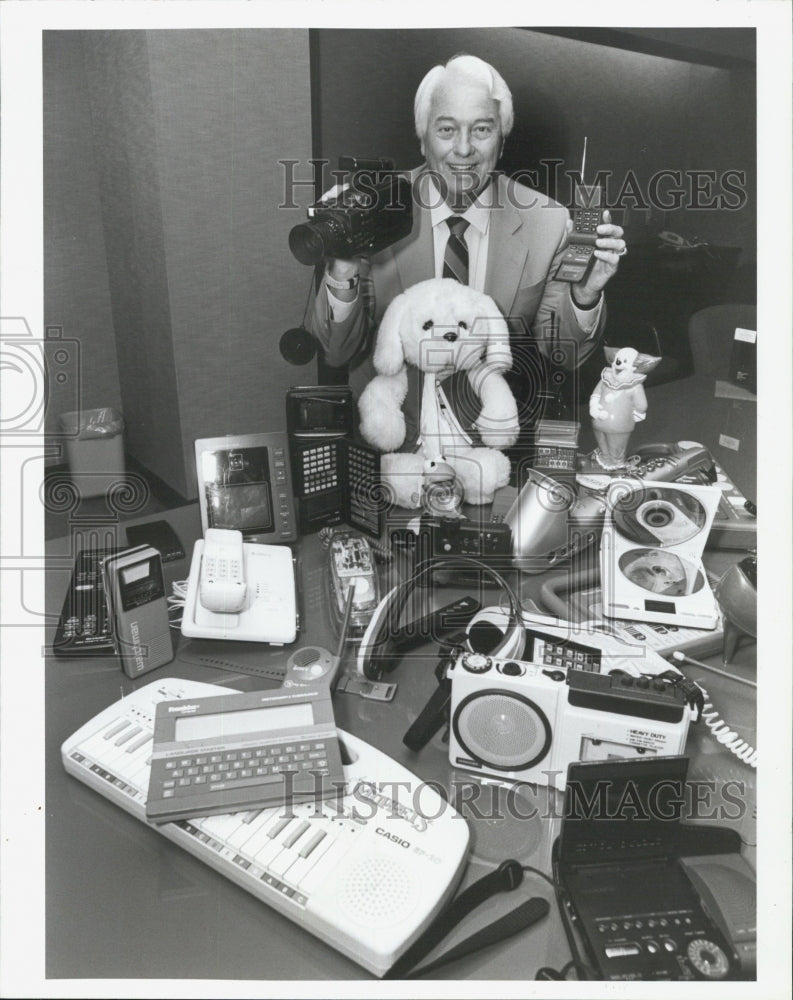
378 890
305 657
505 731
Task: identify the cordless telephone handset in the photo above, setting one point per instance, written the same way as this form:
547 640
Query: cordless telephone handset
586 217
222 587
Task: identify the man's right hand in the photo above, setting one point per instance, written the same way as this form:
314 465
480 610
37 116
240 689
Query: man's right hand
341 270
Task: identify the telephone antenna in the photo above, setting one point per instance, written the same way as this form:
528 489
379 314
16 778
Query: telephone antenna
583 161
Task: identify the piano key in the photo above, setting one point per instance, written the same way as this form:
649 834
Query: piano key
260 836
281 825
301 866
116 727
318 872
245 831
283 861
106 754
127 735
274 842
129 766
222 826
144 737
310 843
297 837
296 833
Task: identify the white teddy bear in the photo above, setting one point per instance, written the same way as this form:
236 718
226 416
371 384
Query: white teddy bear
440 394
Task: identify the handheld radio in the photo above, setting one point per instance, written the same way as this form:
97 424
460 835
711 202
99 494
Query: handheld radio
135 593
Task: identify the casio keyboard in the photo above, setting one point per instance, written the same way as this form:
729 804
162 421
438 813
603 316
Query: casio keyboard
365 872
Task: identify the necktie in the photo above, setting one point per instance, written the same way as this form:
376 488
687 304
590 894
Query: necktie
455 257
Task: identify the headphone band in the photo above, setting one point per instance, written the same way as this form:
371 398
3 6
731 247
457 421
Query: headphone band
380 658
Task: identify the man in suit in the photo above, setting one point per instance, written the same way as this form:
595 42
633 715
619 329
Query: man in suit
512 238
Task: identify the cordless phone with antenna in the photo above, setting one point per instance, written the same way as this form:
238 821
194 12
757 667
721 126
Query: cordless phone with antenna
586 217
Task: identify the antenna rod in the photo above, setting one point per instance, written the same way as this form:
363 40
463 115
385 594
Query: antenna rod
583 161
346 622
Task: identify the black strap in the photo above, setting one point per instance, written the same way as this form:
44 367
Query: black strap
517 920
430 719
507 876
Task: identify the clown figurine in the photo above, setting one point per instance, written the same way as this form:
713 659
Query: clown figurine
617 403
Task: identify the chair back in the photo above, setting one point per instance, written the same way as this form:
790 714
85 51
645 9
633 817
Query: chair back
710 336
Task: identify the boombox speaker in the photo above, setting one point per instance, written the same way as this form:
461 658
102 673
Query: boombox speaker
377 653
504 729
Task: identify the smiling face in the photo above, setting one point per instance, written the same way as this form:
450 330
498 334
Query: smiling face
623 364
463 140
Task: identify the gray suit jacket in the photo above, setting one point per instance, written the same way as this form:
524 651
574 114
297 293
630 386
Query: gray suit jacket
527 240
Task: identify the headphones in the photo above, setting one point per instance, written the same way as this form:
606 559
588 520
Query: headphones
492 630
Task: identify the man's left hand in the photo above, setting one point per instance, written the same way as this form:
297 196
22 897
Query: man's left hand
609 247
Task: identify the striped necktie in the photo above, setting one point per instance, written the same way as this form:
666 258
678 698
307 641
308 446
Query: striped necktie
455 257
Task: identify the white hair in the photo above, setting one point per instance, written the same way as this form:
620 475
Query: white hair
475 69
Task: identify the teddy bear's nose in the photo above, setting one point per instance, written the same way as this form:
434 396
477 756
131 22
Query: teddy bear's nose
451 336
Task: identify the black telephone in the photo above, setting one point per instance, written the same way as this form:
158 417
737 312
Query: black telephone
586 218
669 461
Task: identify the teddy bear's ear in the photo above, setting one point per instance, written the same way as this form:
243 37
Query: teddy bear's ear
389 357
494 327
611 353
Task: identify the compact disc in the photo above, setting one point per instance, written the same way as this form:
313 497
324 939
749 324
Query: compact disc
661 572
659 515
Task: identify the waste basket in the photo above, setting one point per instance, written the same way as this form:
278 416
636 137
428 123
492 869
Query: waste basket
94 449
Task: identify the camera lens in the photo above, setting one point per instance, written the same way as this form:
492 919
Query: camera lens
311 242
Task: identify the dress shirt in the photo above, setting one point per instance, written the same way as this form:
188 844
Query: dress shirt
477 238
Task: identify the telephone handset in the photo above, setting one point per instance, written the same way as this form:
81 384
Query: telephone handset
670 461
222 587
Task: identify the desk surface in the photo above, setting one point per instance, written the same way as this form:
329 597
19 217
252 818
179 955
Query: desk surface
123 902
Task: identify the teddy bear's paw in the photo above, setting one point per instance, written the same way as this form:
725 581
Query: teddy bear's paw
498 434
402 476
481 471
382 426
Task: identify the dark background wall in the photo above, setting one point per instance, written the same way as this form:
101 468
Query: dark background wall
161 167
166 251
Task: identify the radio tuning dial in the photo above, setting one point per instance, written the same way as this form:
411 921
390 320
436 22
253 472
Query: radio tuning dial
708 959
476 663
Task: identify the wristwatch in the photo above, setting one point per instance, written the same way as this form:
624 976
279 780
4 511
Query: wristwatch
341 283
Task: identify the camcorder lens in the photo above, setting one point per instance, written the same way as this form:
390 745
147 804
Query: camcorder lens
311 242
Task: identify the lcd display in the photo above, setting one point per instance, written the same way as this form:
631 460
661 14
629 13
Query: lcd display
134 573
247 722
237 489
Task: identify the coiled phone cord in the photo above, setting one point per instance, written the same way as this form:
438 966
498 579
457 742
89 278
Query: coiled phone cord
719 729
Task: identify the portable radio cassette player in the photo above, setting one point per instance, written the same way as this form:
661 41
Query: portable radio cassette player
526 721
